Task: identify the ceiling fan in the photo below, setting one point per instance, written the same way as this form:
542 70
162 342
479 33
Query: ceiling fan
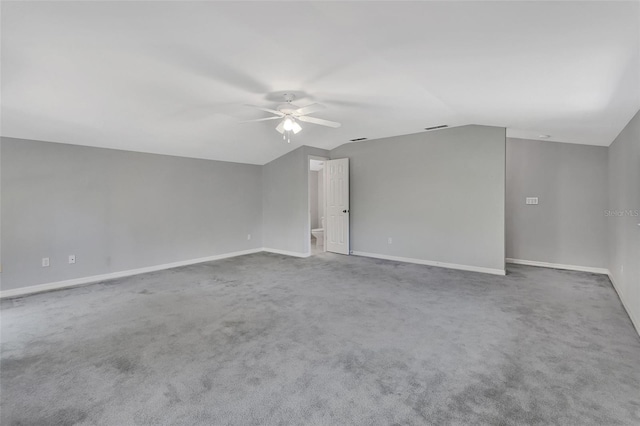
290 114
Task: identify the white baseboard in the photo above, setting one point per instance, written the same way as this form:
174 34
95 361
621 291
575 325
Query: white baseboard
286 252
603 271
432 263
635 321
104 277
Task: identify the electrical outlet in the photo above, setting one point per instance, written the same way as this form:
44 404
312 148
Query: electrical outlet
72 258
389 240
531 200
45 262
248 236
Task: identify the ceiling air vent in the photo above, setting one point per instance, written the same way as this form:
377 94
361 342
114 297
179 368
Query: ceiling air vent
436 127
357 139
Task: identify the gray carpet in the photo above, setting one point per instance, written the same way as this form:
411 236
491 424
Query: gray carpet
329 340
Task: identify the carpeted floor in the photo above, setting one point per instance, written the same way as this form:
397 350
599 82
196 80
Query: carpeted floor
329 340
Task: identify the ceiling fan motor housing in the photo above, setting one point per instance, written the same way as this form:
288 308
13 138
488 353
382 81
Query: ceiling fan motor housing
287 108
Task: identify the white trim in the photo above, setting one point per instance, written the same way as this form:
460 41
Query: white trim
432 263
110 276
603 271
286 252
634 321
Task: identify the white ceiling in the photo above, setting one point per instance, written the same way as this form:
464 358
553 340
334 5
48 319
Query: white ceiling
172 78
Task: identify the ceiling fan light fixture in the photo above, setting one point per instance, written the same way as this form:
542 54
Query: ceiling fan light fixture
289 116
288 124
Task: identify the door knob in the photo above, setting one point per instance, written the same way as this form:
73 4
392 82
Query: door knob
345 211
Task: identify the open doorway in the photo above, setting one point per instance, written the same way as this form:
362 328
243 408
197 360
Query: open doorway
317 205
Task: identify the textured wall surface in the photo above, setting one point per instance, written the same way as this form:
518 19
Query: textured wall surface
286 201
568 225
623 218
118 210
439 195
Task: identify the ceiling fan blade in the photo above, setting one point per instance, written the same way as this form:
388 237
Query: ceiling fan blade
319 121
309 109
261 119
280 127
272 111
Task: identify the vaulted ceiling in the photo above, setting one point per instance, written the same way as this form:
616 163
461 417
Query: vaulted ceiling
173 77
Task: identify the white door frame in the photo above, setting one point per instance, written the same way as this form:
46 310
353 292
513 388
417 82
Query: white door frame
324 245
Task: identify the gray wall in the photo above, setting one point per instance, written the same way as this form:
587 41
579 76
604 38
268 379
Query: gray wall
118 210
440 195
0 213
284 205
313 198
286 201
624 203
567 226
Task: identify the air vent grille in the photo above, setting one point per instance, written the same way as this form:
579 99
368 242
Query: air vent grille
436 127
357 139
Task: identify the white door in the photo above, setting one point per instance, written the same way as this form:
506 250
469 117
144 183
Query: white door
337 220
